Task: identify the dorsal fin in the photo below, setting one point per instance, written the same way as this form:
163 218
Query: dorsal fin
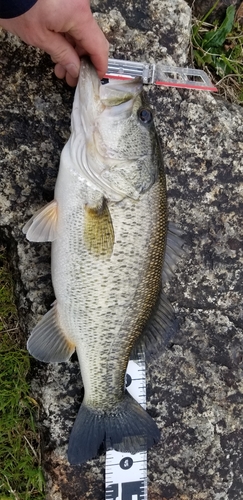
162 324
159 330
173 251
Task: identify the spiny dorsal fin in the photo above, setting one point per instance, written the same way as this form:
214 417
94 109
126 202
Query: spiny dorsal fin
98 230
43 225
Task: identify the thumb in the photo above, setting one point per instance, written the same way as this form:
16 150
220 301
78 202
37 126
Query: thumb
62 52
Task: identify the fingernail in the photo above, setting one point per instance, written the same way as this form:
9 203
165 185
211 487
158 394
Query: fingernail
72 70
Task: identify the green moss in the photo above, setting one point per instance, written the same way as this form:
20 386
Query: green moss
218 49
21 477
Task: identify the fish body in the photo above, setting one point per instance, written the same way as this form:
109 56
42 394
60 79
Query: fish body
108 225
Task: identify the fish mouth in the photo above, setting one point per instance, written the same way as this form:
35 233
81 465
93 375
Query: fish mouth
118 97
108 93
116 92
93 102
96 96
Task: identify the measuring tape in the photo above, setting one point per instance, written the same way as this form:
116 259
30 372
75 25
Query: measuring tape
126 474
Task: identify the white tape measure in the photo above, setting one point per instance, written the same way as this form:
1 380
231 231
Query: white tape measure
126 474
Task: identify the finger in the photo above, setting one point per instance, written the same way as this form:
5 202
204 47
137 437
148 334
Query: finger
62 52
72 82
93 42
59 71
70 39
100 62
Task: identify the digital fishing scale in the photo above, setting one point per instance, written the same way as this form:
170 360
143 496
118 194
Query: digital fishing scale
126 474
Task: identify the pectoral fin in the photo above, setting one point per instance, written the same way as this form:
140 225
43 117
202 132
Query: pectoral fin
43 225
48 342
98 230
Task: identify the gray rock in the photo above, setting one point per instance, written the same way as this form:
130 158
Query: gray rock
195 390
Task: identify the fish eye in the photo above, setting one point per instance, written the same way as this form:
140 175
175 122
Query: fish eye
145 116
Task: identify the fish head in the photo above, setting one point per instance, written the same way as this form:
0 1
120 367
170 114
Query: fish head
113 135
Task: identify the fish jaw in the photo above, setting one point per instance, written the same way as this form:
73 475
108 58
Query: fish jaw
87 104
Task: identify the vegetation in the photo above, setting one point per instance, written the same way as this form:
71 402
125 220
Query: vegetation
20 472
218 49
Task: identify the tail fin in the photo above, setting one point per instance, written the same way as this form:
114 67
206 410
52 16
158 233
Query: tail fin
124 428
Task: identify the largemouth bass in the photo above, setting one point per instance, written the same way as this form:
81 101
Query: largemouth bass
108 227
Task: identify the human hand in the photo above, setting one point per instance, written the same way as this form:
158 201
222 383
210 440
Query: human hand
66 30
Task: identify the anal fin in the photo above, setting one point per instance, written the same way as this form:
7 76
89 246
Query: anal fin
48 342
43 225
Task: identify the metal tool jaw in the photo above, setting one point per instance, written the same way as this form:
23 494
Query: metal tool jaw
159 74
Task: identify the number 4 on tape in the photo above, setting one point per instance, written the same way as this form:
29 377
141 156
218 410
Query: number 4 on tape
126 474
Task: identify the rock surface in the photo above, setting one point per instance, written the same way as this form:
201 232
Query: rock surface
195 390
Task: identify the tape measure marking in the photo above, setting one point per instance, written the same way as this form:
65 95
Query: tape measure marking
126 474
